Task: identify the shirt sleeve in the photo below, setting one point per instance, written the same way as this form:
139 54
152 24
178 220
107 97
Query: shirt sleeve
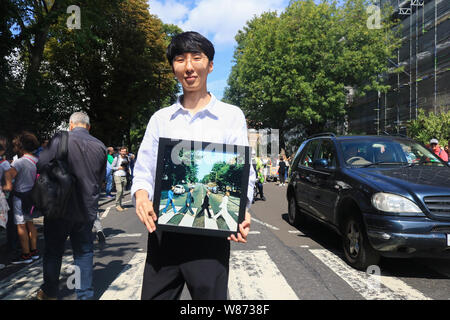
17 164
145 166
6 166
114 165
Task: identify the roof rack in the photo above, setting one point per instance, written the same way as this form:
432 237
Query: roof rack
324 134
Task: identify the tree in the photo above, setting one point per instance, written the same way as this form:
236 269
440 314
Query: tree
293 69
430 125
115 68
24 107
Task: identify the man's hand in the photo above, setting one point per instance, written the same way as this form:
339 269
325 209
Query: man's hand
244 229
144 210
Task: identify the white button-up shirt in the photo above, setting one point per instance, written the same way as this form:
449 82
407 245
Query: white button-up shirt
218 122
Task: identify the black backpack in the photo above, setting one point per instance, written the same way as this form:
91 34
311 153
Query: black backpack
53 187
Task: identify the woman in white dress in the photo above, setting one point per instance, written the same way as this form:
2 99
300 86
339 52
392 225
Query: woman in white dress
223 206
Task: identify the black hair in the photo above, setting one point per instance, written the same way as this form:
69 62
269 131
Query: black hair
190 41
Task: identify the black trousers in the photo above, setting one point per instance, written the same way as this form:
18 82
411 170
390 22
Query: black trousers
199 214
259 185
173 259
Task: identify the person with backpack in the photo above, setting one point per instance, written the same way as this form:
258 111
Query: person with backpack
23 172
86 161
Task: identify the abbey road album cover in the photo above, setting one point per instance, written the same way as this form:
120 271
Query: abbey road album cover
201 188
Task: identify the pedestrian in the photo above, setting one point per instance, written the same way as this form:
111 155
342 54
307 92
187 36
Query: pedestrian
287 160
170 196
23 172
87 163
43 145
266 168
437 150
176 259
281 170
189 202
132 159
120 167
205 205
109 173
258 167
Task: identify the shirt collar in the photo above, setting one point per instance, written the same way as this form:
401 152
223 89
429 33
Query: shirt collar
210 108
81 129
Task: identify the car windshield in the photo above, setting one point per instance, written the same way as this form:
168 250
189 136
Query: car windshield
366 153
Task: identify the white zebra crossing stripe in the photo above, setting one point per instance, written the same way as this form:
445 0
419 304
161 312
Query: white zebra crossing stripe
128 285
210 223
264 224
254 276
168 215
390 288
187 220
232 224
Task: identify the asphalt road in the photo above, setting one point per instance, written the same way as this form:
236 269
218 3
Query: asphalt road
278 262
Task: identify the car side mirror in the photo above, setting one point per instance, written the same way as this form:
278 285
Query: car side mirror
320 164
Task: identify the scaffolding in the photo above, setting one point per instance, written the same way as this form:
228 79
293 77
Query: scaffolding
425 81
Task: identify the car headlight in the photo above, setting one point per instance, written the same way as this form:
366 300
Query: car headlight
389 202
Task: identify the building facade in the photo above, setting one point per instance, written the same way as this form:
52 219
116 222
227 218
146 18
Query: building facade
425 81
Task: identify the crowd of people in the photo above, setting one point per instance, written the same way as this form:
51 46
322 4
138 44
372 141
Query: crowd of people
19 172
263 167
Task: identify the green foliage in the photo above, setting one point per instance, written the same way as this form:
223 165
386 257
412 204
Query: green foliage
114 67
225 174
177 173
115 70
297 65
27 99
430 125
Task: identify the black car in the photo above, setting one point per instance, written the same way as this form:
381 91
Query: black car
385 195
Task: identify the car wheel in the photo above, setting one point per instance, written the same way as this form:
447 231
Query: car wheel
295 217
357 250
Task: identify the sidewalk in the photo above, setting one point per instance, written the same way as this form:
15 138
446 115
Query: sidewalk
39 222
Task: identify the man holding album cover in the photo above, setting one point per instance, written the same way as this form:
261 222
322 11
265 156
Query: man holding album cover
173 259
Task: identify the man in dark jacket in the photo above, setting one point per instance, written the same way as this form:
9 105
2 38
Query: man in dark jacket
205 205
87 158
189 202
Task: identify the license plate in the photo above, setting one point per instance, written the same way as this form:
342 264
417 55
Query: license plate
448 240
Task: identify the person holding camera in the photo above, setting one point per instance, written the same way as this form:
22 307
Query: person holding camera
121 167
